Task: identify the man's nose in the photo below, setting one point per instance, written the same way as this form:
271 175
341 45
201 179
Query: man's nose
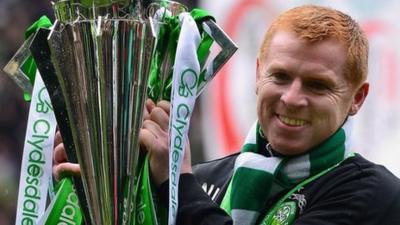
293 95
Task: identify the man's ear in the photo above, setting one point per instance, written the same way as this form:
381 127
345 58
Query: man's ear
359 98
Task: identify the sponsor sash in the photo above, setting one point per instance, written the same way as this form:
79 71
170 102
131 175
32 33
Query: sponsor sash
184 92
37 157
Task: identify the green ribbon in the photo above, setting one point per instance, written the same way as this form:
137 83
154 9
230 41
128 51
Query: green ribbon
201 15
65 206
29 67
148 210
167 42
166 46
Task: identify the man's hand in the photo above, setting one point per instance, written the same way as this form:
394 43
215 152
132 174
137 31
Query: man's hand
154 138
61 167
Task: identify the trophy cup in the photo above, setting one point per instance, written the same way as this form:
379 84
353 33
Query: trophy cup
95 62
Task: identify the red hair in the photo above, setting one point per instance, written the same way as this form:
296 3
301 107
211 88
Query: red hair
316 23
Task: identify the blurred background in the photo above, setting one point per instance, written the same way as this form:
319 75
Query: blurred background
226 109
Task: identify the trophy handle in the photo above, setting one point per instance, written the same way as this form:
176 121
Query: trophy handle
228 48
13 67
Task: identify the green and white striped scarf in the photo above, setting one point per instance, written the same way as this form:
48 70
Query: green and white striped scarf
260 178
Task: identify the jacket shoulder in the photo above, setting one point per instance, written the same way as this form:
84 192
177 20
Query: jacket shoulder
214 175
356 192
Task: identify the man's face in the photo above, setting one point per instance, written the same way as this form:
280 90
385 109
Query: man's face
302 95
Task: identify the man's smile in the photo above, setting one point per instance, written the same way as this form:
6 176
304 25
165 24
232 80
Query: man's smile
291 121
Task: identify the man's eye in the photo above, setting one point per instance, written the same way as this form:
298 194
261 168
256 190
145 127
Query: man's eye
318 87
280 78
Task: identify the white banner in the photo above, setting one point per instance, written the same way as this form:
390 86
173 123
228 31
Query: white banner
37 157
184 92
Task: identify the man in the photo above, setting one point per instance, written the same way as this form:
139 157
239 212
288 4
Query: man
295 166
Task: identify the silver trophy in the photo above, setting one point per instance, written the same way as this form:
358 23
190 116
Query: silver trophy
102 66
95 62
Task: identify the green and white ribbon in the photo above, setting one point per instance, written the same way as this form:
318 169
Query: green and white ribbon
64 208
148 210
37 157
184 91
271 175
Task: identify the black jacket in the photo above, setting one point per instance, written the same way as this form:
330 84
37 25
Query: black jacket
356 192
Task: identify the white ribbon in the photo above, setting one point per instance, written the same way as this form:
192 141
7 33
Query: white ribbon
37 157
184 91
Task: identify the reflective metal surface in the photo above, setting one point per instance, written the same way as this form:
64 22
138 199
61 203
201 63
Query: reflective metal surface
13 67
102 67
